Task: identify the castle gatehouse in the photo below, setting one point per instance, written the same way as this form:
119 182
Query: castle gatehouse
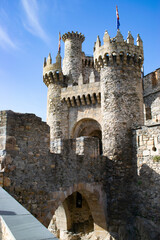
92 171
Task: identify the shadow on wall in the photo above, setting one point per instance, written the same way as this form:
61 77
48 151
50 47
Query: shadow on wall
148 185
41 180
144 221
81 212
147 206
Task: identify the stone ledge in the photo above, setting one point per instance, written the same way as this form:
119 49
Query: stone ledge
17 223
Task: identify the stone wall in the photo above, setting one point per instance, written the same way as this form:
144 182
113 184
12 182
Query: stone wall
68 103
122 108
151 83
90 75
41 181
54 110
80 90
17 223
3 123
38 178
83 102
72 218
147 146
82 114
152 108
72 62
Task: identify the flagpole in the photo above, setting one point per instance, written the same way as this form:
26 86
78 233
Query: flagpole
59 44
117 14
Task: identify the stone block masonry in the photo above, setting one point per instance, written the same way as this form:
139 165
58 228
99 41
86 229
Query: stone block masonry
151 83
16 223
147 148
89 154
121 95
3 120
72 63
39 179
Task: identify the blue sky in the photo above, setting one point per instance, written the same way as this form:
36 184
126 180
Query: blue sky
29 31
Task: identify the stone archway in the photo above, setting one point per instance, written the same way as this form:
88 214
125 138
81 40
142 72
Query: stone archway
88 127
70 221
85 127
61 220
72 217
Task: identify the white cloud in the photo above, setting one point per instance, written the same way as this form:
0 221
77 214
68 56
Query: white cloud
5 40
33 24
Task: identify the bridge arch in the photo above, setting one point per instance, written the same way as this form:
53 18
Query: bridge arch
94 200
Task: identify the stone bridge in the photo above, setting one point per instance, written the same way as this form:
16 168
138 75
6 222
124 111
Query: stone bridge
42 180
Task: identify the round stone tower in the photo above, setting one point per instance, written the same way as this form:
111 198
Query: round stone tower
72 62
53 77
119 63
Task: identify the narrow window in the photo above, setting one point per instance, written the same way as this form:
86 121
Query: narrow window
154 79
148 113
121 57
107 58
78 200
114 57
128 57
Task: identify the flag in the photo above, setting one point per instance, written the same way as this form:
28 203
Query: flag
118 23
59 45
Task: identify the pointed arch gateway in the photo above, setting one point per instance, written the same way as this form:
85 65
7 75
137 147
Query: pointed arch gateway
82 210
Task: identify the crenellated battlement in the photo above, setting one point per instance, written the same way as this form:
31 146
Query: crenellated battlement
52 77
117 51
49 67
52 72
72 62
81 95
87 61
73 35
151 82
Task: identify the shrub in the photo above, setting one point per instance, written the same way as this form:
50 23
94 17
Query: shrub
156 159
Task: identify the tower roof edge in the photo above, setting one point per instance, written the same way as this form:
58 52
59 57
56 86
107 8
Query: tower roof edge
73 35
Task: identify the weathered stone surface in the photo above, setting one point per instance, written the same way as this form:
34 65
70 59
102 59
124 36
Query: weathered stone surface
72 63
147 229
147 148
91 149
151 84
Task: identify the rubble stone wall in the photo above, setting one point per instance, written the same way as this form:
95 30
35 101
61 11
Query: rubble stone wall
3 125
147 146
88 108
39 179
151 84
72 62
54 110
122 108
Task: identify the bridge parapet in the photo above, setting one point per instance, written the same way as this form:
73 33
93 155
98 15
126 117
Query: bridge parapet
16 222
